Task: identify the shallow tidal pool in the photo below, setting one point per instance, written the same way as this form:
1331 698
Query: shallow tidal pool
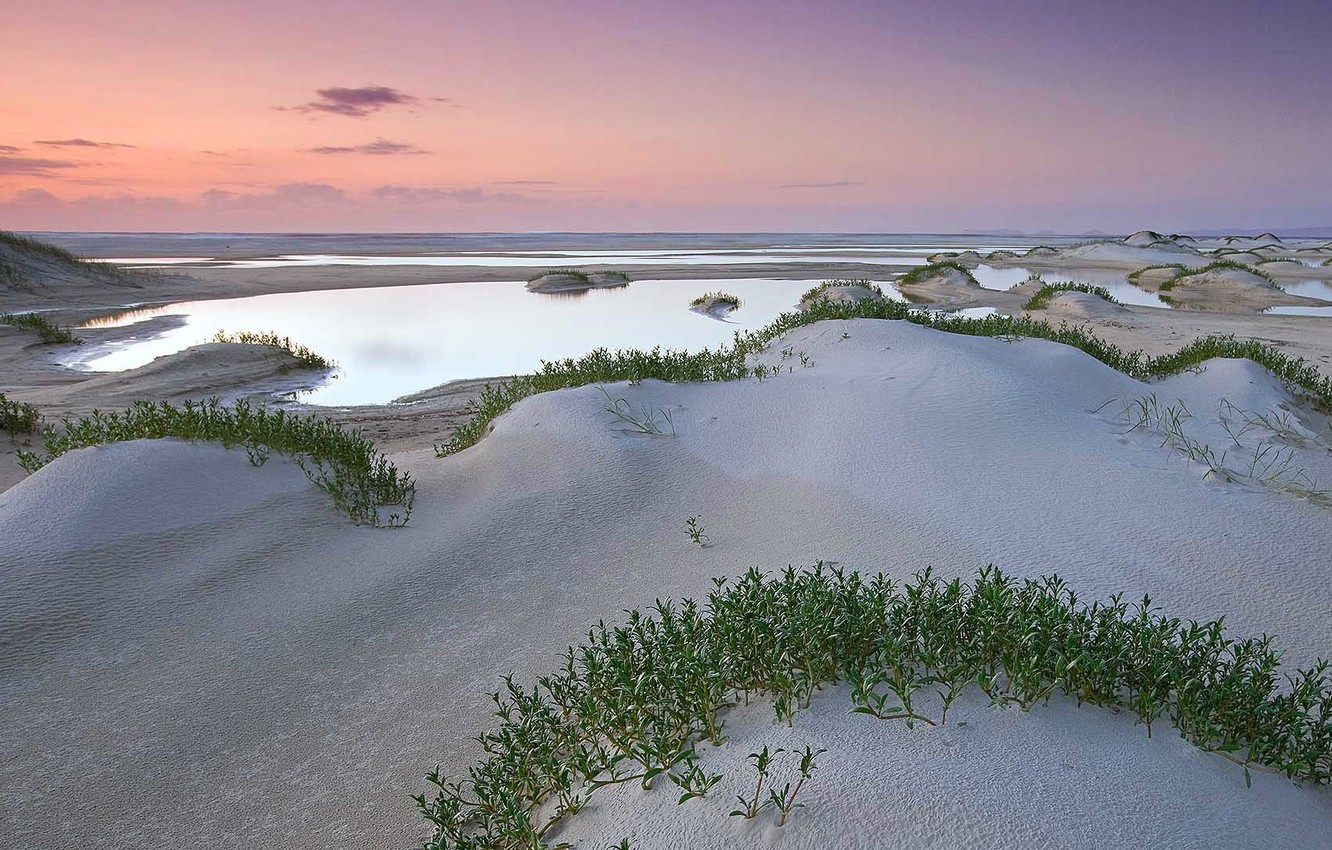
396 340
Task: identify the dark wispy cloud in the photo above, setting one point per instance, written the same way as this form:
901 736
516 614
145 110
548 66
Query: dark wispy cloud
79 143
379 147
33 166
358 102
832 184
525 183
416 195
9 149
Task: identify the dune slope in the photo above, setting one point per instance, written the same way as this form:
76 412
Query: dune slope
194 651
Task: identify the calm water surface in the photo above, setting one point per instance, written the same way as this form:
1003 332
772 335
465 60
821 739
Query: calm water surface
391 341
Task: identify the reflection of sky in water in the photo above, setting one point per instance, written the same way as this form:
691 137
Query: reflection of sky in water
572 260
1115 281
1309 288
390 341
889 254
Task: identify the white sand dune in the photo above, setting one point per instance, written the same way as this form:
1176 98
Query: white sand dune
194 652
1080 305
844 292
1118 254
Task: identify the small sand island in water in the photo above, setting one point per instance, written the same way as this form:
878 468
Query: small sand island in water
573 280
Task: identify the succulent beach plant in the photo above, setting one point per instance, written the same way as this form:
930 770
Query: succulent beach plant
49 331
632 701
344 464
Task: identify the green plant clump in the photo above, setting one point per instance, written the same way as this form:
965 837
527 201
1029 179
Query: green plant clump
1048 291
634 700
1218 266
16 417
921 273
306 356
344 464
817 292
728 363
49 331
732 302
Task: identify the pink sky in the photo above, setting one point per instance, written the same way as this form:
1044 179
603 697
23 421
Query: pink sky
684 116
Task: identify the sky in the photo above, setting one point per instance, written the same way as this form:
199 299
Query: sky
730 115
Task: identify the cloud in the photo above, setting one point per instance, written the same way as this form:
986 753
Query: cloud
379 147
526 183
835 184
414 195
78 143
9 149
33 167
357 102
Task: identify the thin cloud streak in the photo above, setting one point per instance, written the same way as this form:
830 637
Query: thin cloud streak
33 166
79 143
835 184
357 102
379 147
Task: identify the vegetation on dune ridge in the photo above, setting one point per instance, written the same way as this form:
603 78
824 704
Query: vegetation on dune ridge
1217 266
728 363
16 417
1136 276
1048 291
817 292
306 356
732 302
54 253
632 702
49 331
922 273
580 275
345 464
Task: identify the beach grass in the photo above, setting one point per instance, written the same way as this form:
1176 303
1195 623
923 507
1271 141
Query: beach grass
920 274
633 701
49 331
1048 291
17 417
577 274
728 363
344 464
1218 266
54 253
307 357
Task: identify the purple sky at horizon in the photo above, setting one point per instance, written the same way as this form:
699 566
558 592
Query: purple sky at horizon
593 115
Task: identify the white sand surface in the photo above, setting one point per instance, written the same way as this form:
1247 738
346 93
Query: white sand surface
1078 305
194 652
1233 290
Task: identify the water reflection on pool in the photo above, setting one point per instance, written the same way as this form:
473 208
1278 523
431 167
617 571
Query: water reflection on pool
391 341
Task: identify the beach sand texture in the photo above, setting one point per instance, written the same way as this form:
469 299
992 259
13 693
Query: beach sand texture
196 652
